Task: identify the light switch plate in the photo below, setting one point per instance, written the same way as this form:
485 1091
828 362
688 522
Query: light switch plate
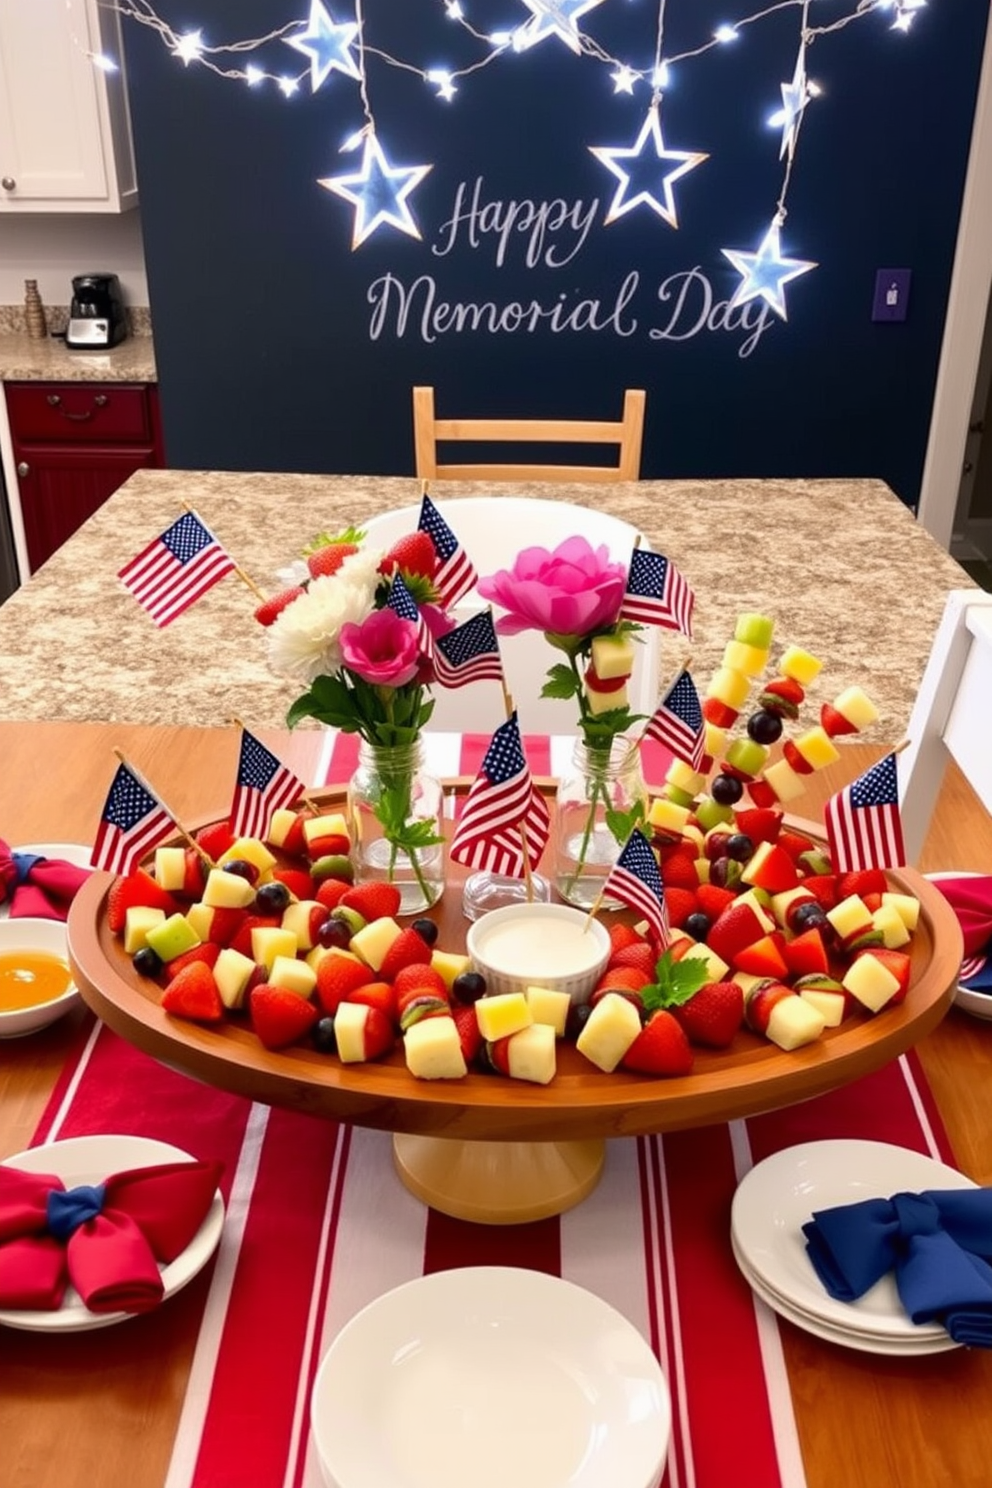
891 300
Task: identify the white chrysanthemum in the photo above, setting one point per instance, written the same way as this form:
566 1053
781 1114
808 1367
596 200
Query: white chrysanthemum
361 571
304 638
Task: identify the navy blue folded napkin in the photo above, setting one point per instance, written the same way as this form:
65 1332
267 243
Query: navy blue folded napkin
937 1243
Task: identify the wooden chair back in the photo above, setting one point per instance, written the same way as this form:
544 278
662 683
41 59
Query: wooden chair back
626 433
952 715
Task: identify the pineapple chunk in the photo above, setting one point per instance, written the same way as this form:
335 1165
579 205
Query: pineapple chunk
729 687
850 917
714 740
433 1050
294 975
270 941
227 890
372 942
793 1022
450 964
349 1032
603 702
906 906
716 967
502 1015
829 1004
170 868
610 1029
817 748
297 917
665 816
799 665
612 657
740 657
784 781
138 920
855 705
232 973
870 982
332 825
681 774
250 850
781 903
550 1007
894 933
200 917
530 1054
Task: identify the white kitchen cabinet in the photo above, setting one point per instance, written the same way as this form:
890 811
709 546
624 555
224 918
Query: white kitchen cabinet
65 136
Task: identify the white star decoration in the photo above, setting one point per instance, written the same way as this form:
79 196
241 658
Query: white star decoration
553 18
327 44
379 192
795 97
189 47
654 189
624 79
766 273
904 13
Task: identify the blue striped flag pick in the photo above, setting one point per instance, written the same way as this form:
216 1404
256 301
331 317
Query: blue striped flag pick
176 569
132 822
264 784
402 603
455 573
502 799
657 593
864 827
635 879
470 653
678 721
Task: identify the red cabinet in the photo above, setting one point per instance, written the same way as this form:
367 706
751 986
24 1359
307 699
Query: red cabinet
74 443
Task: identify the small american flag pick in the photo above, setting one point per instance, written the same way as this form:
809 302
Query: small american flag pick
468 654
678 721
455 574
635 879
863 824
402 603
657 593
131 824
264 784
502 798
177 569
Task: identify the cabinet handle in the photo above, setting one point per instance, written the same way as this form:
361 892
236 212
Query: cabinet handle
101 400
23 469
8 183
54 400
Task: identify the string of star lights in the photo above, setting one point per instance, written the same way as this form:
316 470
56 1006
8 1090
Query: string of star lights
335 48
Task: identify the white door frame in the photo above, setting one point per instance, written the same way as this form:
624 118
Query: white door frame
971 290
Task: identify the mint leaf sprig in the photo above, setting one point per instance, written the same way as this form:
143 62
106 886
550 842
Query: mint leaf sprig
676 982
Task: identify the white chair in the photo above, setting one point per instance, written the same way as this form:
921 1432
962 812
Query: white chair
492 530
952 715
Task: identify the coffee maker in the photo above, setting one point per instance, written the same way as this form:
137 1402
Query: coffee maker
96 313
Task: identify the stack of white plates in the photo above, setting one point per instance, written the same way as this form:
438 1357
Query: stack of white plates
777 1198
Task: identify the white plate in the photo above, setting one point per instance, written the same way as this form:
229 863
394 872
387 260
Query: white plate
490 1376
978 1004
847 1338
779 1195
90 1160
71 852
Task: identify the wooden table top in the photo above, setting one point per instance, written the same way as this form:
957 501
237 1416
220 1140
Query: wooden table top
103 1408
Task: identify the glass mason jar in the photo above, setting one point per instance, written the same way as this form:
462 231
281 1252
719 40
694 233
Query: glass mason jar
390 794
599 782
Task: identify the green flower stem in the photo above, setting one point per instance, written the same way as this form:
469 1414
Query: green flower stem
397 788
598 777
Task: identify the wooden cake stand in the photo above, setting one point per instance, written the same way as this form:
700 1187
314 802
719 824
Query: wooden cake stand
501 1151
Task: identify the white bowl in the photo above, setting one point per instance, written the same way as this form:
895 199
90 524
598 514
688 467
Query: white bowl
490 1377
36 935
544 945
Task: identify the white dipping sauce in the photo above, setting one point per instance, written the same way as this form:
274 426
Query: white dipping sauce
540 946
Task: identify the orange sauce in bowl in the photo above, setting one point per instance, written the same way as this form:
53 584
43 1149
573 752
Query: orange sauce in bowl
29 978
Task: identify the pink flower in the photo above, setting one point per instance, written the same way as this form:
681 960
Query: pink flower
382 650
571 591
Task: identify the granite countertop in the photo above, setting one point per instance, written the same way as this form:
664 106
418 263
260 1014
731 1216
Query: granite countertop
23 359
842 564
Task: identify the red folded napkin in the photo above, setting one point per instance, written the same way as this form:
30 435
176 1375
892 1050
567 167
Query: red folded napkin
38 888
971 900
107 1240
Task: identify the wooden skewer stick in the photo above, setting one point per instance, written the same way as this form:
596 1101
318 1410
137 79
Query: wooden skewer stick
244 577
178 824
528 873
595 908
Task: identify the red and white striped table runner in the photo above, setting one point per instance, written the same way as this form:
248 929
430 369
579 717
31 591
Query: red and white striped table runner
318 1225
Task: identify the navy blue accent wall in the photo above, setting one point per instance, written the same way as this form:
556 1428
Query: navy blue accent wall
280 348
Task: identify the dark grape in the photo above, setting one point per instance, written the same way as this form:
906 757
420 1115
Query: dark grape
334 934
764 728
739 847
807 915
726 790
724 872
578 1017
322 1037
426 929
272 898
697 925
242 869
146 962
468 987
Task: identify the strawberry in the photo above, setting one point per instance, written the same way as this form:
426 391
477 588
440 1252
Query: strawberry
772 869
762 794
623 935
330 892
678 870
713 1016
192 993
242 938
616 978
834 723
806 954
337 976
720 715
680 903
823 887
195 874
375 995
267 612
713 900
279 1016
413 554
468 1031
764 958
294 844
225 924
215 839
661 1048
898 962
298 882
735 929
782 696
374 901
498 1055
794 843
861 882
206 953
335 844
138 888
760 823
641 957
408 949
419 978
328 559
363 1036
